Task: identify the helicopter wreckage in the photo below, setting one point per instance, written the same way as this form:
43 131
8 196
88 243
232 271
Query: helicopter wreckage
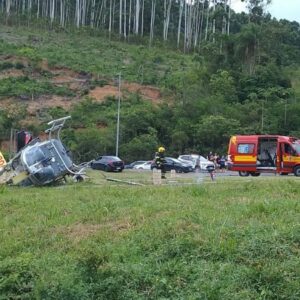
41 163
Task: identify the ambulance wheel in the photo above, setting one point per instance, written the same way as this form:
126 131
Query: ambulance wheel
255 174
244 173
297 171
284 173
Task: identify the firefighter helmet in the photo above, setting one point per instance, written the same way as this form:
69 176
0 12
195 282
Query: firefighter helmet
161 149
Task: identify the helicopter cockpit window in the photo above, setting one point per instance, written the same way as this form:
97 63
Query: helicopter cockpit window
34 155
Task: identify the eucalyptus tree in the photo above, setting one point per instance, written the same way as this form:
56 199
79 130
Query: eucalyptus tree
125 19
167 12
137 16
247 47
129 17
110 17
8 3
93 11
142 18
153 7
229 17
207 20
120 18
201 22
256 9
214 21
77 13
196 22
181 5
52 10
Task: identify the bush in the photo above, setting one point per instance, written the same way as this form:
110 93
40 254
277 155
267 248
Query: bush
17 278
19 65
17 86
6 65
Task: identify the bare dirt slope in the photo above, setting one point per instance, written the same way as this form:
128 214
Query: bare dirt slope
80 84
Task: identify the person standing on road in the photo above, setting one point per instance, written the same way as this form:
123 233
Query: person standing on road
160 161
222 163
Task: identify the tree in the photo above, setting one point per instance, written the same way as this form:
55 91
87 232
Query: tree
248 46
222 84
213 133
256 9
91 142
142 146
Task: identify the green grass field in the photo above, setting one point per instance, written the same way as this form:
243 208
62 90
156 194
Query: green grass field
233 239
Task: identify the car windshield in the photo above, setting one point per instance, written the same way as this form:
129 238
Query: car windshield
176 160
114 158
138 162
203 159
187 158
194 158
297 147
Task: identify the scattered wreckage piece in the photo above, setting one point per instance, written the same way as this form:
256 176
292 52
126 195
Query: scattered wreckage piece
42 163
124 181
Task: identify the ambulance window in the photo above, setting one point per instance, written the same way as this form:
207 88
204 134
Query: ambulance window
288 149
297 147
245 148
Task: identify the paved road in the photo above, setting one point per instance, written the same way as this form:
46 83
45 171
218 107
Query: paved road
234 174
205 176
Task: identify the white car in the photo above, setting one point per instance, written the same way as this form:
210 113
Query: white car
144 166
196 160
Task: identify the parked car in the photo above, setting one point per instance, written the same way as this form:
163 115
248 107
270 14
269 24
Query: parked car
144 166
174 164
138 162
108 164
197 161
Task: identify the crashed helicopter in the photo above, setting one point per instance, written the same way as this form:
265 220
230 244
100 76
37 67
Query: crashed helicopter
42 163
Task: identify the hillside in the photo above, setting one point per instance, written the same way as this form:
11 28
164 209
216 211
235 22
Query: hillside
188 102
39 79
86 70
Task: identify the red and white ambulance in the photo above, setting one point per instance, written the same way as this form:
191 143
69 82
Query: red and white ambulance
256 154
2 160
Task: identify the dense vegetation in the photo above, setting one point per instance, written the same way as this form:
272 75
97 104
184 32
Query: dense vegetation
215 241
244 81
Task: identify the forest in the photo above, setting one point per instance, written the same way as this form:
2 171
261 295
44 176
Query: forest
219 72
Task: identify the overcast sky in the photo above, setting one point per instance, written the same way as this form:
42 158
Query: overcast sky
280 9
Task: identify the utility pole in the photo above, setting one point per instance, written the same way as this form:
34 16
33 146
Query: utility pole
262 116
118 115
285 111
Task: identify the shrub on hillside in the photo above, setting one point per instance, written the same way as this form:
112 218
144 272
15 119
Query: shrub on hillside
17 86
6 65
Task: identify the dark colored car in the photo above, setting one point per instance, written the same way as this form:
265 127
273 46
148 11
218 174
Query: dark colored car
138 162
175 164
108 164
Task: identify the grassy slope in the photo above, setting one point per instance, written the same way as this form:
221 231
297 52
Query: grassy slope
81 52
217 241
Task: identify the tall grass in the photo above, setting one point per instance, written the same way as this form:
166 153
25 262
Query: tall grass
217 241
